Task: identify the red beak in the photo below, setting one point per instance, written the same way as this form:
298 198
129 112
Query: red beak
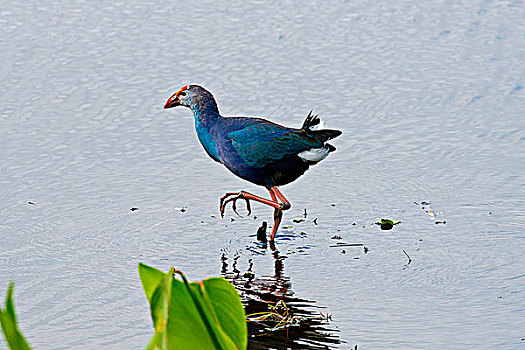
173 101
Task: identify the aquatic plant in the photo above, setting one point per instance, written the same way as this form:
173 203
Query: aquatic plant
13 336
199 315
186 315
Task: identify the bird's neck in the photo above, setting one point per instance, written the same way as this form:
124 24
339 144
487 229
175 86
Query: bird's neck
207 119
205 111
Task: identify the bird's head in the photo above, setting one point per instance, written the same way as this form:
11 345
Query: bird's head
181 98
191 96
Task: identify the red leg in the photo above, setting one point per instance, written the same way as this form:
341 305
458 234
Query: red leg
234 196
277 215
274 202
285 205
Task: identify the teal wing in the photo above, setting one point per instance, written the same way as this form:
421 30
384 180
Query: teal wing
261 144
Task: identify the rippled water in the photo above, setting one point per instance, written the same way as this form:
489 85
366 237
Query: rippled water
429 96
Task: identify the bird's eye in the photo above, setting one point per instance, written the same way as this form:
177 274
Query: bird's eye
182 93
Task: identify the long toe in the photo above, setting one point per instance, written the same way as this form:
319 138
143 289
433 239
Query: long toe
248 207
234 207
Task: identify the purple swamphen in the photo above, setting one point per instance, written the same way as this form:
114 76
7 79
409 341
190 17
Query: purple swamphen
255 149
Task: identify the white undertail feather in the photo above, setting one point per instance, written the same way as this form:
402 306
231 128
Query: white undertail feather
314 154
318 126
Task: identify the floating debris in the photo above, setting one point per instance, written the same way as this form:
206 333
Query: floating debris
305 213
343 251
315 221
134 208
182 209
441 222
365 249
342 244
336 237
428 209
327 317
298 220
408 256
280 316
332 205
32 203
249 274
387 224
287 226
261 232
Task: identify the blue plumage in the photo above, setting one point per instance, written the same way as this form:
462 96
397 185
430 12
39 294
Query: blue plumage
255 149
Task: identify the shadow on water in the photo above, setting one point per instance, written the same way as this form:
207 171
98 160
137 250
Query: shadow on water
308 325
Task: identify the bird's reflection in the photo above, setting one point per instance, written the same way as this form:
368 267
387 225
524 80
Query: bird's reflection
310 329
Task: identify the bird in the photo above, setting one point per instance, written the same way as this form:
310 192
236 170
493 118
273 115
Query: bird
255 149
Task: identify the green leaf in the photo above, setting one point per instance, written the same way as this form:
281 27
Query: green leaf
389 222
9 303
150 277
228 307
197 315
160 302
12 334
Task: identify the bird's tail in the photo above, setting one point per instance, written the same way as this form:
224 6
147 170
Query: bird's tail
312 121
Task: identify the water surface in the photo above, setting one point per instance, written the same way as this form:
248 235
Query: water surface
430 99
